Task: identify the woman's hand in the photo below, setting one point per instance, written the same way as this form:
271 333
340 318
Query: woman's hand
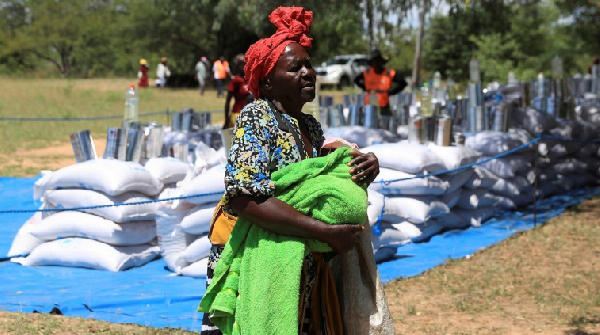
342 237
365 167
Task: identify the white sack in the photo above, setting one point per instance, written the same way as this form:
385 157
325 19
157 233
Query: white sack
196 270
171 238
167 169
456 181
86 253
506 167
453 221
406 157
198 221
210 181
428 229
110 176
454 157
510 187
24 242
532 120
451 199
481 178
415 209
491 143
415 186
375 207
395 235
199 249
84 198
474 199
475 217
361 136
569 166
77 224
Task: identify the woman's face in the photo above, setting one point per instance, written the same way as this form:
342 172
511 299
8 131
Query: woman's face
293 77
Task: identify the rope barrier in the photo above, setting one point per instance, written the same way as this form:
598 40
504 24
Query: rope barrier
46 210
383 182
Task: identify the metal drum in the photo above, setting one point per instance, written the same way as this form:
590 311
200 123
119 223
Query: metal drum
355 116
416 130
347 100
176 121
335 116
153 141
135 140
501 115
327 101
83 146
113 137
359 99
371 116
443 131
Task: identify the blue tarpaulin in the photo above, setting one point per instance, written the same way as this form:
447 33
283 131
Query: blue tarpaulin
152 296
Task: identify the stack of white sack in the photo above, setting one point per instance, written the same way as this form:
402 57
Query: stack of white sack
500 183
362 136
569 164
183 226
103 237
411 208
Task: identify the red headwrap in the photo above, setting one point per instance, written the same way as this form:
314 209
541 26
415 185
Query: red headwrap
293 23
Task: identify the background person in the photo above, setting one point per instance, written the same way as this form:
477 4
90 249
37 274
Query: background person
279 73
143 73
238 90
221 71
201 74
379 79
162 72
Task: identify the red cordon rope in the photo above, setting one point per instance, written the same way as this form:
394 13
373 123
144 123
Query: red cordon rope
293 24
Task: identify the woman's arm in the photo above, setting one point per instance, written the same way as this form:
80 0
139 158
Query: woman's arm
277 216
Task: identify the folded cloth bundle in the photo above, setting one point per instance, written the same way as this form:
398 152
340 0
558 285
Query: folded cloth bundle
255 288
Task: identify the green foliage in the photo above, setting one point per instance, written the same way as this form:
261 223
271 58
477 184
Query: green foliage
107 38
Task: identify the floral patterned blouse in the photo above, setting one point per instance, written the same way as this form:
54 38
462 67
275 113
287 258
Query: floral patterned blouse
260 148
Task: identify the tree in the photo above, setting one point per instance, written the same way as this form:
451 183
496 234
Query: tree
55 31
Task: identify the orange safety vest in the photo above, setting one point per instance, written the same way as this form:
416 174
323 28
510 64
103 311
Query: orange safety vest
221 69
379 83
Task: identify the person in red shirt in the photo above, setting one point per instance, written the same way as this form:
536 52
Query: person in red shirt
143 73
238 90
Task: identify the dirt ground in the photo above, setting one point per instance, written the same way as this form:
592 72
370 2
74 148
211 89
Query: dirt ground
29 162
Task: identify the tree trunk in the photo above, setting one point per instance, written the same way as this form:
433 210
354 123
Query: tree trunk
370 11
419 46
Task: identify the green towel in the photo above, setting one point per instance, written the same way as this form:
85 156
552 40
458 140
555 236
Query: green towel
256 284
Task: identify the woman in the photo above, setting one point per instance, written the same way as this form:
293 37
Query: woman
238 90
280 74
143 73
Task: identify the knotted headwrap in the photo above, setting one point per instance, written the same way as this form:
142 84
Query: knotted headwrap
293 23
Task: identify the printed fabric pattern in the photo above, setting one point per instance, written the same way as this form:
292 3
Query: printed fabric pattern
260 148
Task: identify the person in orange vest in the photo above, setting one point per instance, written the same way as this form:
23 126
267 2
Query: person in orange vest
221 72
379 79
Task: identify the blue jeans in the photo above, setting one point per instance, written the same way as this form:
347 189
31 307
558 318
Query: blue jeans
220 84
